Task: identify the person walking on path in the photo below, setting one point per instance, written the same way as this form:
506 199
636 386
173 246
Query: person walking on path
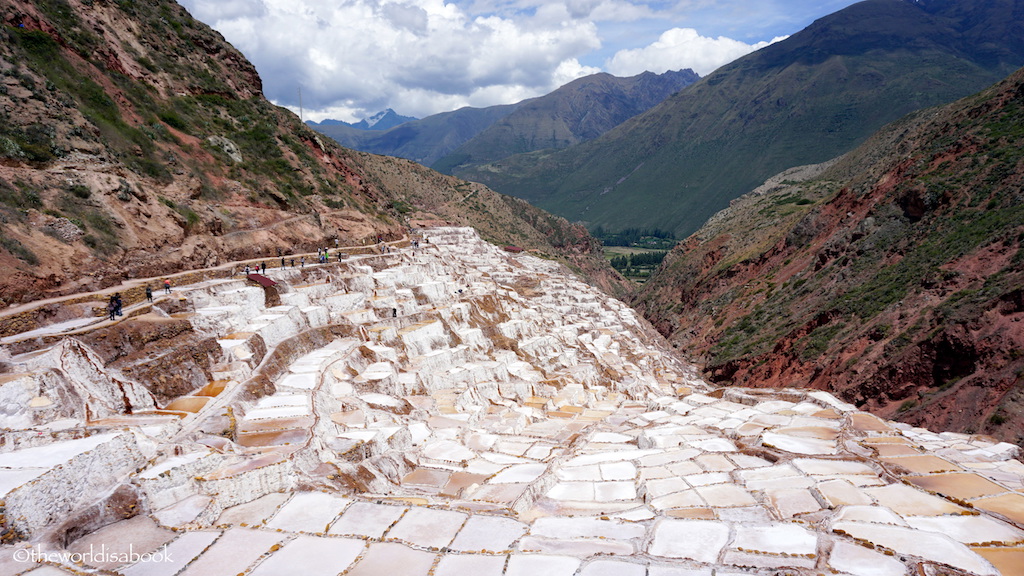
263 267
167 285
111 309
118 304
149 293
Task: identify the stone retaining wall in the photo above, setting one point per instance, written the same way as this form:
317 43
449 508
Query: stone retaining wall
67 486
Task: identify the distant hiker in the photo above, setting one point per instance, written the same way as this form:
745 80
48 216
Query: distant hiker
293 262
111 309
282 261
302 262
394 312
167 285
263 267
118 304
246 269
149 293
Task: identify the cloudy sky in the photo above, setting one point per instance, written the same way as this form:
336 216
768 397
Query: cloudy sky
353 58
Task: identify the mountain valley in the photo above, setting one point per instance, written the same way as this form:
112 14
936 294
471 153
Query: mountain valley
803 100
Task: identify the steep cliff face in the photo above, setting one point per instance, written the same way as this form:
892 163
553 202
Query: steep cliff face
892 277
135 141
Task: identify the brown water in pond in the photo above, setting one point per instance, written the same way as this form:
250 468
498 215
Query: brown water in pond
191 404
212 389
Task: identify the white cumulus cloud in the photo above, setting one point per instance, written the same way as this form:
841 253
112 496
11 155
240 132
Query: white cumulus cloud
356 57
353 58
681 48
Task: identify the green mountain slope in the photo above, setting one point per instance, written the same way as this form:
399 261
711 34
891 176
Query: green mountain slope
579 111
803 100
894 278
455 141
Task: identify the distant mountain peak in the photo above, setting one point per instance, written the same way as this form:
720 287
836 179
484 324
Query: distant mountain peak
383 120
376 118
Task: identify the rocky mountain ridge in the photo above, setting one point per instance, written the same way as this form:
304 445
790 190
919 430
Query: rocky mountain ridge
581 110
577 112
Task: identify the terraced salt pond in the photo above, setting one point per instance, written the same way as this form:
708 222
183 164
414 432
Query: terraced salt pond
459 410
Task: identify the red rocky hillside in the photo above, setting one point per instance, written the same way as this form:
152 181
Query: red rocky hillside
893 277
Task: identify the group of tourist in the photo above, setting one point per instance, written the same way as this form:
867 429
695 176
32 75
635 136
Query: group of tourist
259 268
323 256
115 305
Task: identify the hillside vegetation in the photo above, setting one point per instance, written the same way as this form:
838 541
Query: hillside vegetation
893 277
135 141
577 112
